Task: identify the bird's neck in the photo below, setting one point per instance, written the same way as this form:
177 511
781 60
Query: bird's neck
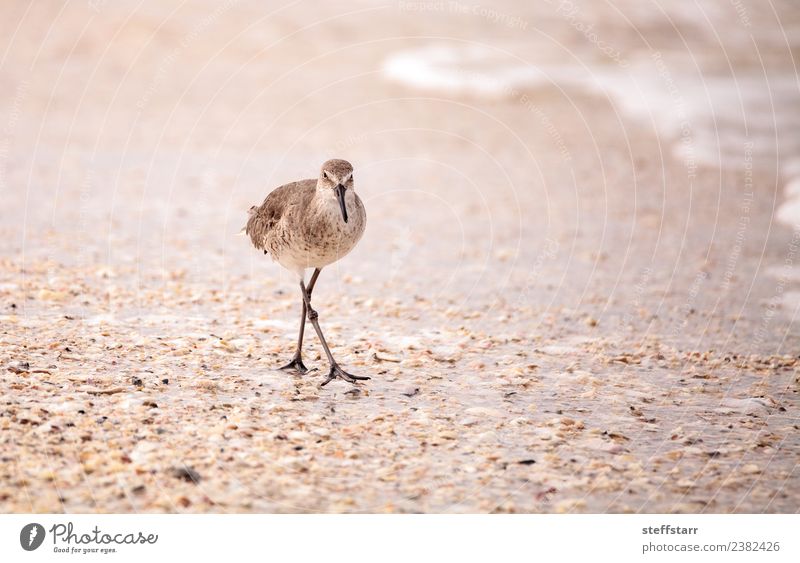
325 202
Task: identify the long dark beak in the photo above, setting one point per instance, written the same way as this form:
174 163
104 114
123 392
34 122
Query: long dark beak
340 191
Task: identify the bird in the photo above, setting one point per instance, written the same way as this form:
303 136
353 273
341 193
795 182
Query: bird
311 224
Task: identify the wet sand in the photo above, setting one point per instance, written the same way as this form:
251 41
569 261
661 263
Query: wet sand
561 310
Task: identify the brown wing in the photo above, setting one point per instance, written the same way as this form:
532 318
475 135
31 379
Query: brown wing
277 205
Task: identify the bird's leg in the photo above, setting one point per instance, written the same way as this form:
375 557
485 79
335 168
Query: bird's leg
336 371
297 361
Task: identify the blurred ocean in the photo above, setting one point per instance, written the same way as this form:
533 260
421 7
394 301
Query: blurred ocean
709 98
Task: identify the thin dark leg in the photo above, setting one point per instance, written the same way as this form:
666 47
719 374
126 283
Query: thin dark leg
311 283
336 371
297 361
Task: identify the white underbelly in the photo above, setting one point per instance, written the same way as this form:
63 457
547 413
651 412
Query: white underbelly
300 256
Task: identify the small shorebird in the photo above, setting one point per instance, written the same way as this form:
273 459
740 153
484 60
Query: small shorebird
310 224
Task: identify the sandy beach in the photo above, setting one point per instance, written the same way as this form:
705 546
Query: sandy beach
577 290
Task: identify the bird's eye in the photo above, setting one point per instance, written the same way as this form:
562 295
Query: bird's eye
325 175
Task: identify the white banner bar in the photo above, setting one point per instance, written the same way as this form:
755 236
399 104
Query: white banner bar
406 539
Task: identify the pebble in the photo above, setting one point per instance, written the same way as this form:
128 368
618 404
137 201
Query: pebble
484 411
187 474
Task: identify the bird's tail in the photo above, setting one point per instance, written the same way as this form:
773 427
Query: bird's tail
250 213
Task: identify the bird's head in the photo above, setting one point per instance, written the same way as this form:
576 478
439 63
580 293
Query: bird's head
337 175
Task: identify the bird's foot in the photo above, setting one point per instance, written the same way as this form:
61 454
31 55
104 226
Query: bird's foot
295 365
338 373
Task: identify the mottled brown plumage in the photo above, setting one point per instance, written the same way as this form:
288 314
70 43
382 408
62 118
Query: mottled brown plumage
262 226
310 224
